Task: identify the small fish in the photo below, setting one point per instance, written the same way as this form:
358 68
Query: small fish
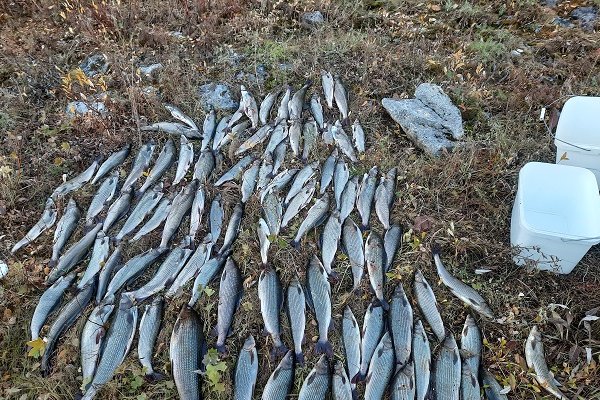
296 304
222 127
381 369
401 325
372 330
233 227
469 384
447 370
492 388
300 180
271 299
48 301
249 178
160 214
316 384
332 233
106 273
279 134
173 128
64 229
464 292
97 260
208 129
352 344
382 208
422 360
148 332
327 134
364 200
471 344
259 136
358 136
196 212
348 198
391 242
186 353
328 87
114 160
342 389
140 164
341 97
318 294
328 171
272 212
76 182
191 267
299 201
341 175
217 214
263 238
165 159
182 203
403 383
279 156
390 184
248 105
179 115
233 133
354 248
204 166
314 217
102 197
132 269
186 156
236 171
296 103
266 105
428 305
534 355
145 205
317 109
117 210
246 371
343 141
283 111
46 222
309 136
295 135
230 294
375 260
265 172
280 382
205 275
279 182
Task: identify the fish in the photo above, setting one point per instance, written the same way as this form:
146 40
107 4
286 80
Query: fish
64 230
263 239
102 197
205 275
164 275
278 182
316 384
401 326
182 204
186 156
236 171
328 87
173 128
191 267
186 350
342 389
73 255
341 175
265 172
382 208
181 116
372 331
353 246
48 301
132 269
348 198
165 159
216 217
114 160
464 292
534 355
111 265
233 133
278 134
422 360
145 205
117 210
160 214
364 200
327 134
66 317
233 227
140 164
341 97
447 371
249 178
296 308
390 184
97 260
352 345
76 182
230 295
279 156
375 260
358 136
272 212
46 222
471 344
492 388
196 211
328 171
271 298
246 371
280 382
299 201
318 295
148 332
208 129
249 106
92 338
266 105
391 241
469 384
343 141
300 180
116 346
403 383
381 368
316 109
309 136
257 138
283 113
295 135
204 166
332 233
428 305
314 217
296 103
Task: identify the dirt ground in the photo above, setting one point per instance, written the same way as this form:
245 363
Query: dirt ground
500 62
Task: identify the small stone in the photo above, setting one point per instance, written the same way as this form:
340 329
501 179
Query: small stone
94 65
218 96
515 54
586 16
79 108
312 18
550 3
148 70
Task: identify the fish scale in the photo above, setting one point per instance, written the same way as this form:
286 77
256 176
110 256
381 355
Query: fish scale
97 260
92 337
375 260
469 384
391 242
204 166
403 383
341 384
64 230
372 331
364 200
428 305
328 171
354 249
266 105
186 352
112 264
471 344
332 233
341 175
233 227
180 207
447 370
102 197
401 325
246 371
249 180
348 198
186 156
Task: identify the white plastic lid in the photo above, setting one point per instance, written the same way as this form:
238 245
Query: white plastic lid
560 201
579 123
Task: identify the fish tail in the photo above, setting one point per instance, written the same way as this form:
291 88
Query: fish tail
295 244
365 227
300 358
52 263
221 348
354 394
359 377
435 249
324 347
334 276
384 304
154 377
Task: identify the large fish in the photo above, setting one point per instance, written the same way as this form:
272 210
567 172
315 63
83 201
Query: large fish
181 116
381 369
234 132
341 175
173 128
64 229
186 156
196 212
332 233
266 105
314 217
249 106
205 275
160 214
375 260
76 182
208 129
342 389
279 134
373 326
217 213
182 203
534 355
296 308
46 221
114 160
236 171
328 87
233 227
263 238
97 260
165 159
283 112
149 329
492 388
447 371
280 382
382 207
106 273
272 212
358 136
469 384
296 103
299 201
316 384
278 182
390 183
348 198
102 197
341 97
186 350
223 126
295 136
422 360
257 138
328 171
246 371
401 325
249 178
271 299
403 383
230 294
117 210
429 305
279 156
265 172
191 267
318 294
471 344
145 205
140 164
300 179
48 302
352 344
343 141
353 246
309 136
391 242
204 166
316 110
132 269
364 200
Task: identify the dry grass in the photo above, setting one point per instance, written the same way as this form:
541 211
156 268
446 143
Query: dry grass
381 49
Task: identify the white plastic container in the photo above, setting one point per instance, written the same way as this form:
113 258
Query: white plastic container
555 217
577 136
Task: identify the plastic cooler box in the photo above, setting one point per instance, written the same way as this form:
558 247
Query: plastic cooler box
555 217
577 136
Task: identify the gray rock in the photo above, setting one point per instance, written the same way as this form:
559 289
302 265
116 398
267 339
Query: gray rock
312 18
586 16
94 65
565 23
218 96
148 70
550 3
79 108
434 97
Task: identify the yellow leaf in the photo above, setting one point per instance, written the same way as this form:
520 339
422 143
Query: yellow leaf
65 146
37 347
58 161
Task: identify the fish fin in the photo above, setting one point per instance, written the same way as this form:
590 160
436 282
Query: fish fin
52 263
300 358
295 244
357 378
278 351
364 228
222 349
333 276
384 304
308 298
436 249
324 347
154 377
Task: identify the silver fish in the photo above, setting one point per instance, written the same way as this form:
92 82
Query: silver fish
390 184
221 130
342 389
48 302
140 164
295 134
259 136
191 267
102 197
492 388
401 325
469 384
97 260
148 332
233 133
145 205
317 109
246 371
46 221
248 105
280 382
164 161
328 87
352 344
375 260
422 361
332 233
196 211
160 214
236 171
181 116
403 383
216 217
76 182
314 217
279 182
296 303
279 134
73 255
447 370
372 331
233 227
343 141
299 201
353 246
318 291
365 196
328 171
249 180
114 160
328 133
64 229
204 166
173 128
263 239
272 212
358 136
279 156
205 275
534 355
382 208
264 173
391 242
309 136
182 203
341 174
316 384
300 180
381 369
283 113
132 269
111 265
271 298
341 97
186 156
117 210
266 105
428 305
471 344
296 103
208 129
230 294
348 198
464 292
